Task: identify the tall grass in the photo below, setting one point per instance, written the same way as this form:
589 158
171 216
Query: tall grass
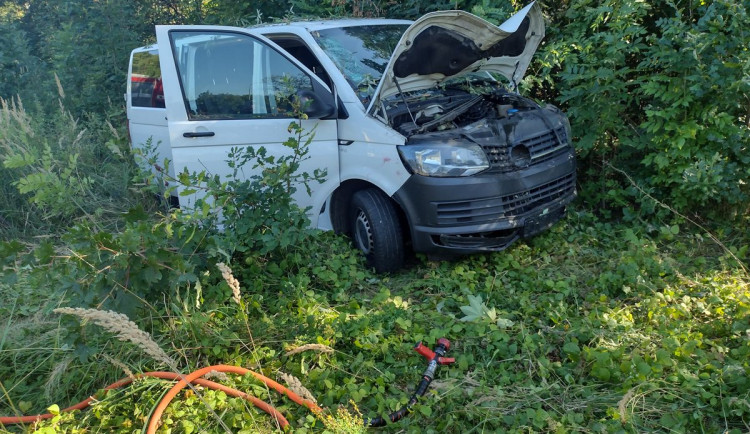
58 170
37 366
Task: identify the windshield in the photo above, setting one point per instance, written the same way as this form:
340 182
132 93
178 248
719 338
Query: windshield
361 53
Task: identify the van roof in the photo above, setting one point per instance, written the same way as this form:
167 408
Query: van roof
310 26
314 25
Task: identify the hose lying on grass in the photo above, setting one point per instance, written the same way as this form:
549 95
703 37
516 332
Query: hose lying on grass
194 378
434 358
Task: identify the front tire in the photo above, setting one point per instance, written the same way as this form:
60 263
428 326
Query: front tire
376 230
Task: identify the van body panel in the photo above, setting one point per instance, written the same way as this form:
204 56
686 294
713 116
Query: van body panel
151 127
214 155
147 125
205 70
444 44
375 163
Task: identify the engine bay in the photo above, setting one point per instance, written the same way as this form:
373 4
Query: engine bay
440 110
514 132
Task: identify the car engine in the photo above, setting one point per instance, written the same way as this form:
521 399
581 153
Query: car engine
513 131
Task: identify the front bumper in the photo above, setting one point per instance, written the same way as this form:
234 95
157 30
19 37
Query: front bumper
486 212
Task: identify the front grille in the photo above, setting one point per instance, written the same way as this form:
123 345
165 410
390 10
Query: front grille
511 205
522 202
545 145
541 147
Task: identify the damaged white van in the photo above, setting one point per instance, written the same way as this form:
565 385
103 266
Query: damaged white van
426 143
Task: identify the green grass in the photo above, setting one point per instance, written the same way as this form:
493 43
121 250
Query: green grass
592 327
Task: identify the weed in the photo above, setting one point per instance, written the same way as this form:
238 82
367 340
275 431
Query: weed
309 347
344 421
233 283
125 330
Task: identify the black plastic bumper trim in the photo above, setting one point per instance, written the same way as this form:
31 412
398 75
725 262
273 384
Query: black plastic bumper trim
483 212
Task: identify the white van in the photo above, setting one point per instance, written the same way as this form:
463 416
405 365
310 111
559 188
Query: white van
425 141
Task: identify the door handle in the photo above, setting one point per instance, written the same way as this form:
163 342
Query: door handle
199 134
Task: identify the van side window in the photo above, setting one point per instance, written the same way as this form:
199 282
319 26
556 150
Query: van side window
227 75
145 82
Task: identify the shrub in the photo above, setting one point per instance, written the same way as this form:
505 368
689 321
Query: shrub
661 91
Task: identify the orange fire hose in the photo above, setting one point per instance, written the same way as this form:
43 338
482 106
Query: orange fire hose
193 377
153 423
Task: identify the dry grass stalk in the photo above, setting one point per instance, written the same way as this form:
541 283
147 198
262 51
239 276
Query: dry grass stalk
316 347
79 137
484 399
622 405
60 90
441 385
198 294
16 111
4 112
296 386
112 129
58 372
233 283
120 365
123 328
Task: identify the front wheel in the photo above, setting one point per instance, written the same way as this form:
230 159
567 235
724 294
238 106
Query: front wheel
376 230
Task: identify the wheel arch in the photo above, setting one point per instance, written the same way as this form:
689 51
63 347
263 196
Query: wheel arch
341 200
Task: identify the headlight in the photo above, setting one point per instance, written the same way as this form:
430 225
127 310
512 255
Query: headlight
568 131
444 159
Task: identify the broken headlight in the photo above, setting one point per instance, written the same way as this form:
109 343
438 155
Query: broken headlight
444 159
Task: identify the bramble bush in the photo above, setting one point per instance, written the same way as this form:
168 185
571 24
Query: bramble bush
660 90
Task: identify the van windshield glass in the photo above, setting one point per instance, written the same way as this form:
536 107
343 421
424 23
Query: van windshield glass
361 53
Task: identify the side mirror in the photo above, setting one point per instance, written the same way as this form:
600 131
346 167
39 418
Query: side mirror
315 105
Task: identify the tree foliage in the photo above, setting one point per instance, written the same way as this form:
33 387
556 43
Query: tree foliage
19 69
661 90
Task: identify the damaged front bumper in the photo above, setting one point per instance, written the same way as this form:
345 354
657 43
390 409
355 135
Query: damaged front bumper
486 212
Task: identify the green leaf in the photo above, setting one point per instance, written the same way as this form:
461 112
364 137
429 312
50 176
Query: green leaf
571 348
188 426
602 373
16 161
54 409
474 310
504 323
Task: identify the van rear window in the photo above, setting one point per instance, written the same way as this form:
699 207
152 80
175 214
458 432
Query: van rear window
145 81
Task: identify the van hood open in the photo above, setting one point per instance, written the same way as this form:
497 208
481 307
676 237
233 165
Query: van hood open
446 44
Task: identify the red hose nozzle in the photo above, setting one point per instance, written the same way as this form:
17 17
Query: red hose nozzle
430 355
